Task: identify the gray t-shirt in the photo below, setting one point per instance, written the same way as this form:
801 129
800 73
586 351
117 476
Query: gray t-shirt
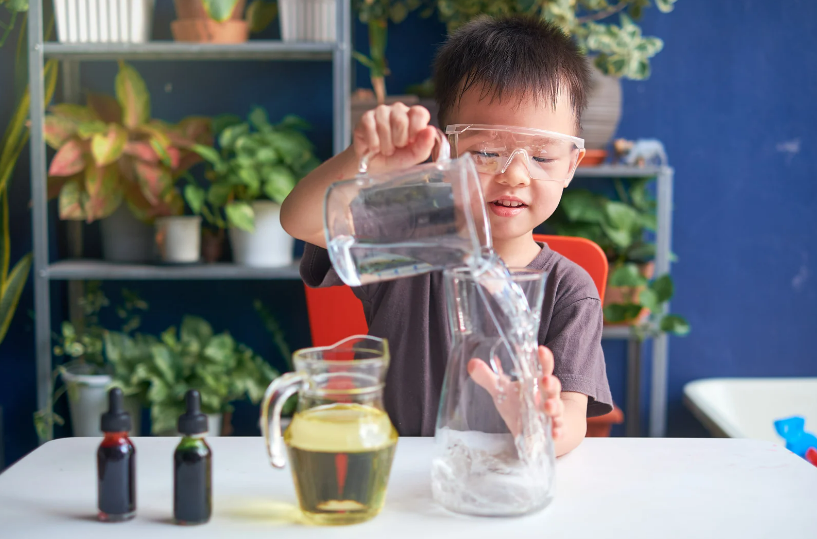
410 314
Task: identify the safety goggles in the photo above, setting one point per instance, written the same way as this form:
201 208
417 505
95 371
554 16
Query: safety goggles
546 154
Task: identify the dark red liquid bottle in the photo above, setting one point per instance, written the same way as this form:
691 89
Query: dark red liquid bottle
116 464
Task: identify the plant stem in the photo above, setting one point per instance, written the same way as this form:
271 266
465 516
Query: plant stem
622 192
612 10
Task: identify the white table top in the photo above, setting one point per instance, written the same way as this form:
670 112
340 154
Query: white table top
628 487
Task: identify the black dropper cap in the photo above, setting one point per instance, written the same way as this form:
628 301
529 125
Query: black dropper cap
116 419
192 421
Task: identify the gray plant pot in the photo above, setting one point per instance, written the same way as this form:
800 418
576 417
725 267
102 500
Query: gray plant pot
601 118
88 400
126 239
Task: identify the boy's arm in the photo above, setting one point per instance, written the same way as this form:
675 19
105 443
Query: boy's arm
302 210
402 138
574 418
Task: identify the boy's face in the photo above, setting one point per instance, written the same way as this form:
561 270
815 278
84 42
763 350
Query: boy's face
539 197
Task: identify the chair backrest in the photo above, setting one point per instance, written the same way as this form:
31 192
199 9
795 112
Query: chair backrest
335 312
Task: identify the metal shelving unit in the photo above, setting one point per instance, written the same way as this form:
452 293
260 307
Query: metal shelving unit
70 57
339 53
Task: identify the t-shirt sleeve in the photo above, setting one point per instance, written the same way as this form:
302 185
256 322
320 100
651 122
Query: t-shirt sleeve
316 268
574 337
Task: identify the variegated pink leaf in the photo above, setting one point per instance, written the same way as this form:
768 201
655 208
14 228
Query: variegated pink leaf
133 96
105 107
108 147
69 160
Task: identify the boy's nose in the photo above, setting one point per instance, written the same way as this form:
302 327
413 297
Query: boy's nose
516 171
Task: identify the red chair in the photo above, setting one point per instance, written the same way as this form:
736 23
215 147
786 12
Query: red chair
335 312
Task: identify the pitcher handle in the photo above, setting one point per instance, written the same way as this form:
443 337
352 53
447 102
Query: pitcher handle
439 140
277 394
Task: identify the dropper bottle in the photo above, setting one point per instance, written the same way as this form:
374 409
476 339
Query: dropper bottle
116 463
193 466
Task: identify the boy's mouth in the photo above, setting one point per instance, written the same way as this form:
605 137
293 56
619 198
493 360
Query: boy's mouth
507 206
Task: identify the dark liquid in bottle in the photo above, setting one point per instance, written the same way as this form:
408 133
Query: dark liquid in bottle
116 479
192 498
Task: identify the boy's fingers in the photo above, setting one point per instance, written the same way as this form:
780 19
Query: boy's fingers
482 374
366 139
551 386
381 115
423 144
418 118
399 125
554 407
546 360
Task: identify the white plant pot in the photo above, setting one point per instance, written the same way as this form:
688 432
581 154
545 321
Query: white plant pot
178 239
104 21
601 117
307 20
88 400
269 246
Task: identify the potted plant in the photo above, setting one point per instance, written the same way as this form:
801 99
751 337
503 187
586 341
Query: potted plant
103 21
221 369
87 376
220 21
377 14
618 49
619 226
257 166
110 151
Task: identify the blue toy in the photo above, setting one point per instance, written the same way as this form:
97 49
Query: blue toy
793 430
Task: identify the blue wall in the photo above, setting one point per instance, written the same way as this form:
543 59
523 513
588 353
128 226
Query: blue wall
731 97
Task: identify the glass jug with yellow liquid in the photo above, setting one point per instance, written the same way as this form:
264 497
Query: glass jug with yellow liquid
340 442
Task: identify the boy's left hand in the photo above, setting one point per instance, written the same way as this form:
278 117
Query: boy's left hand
499 383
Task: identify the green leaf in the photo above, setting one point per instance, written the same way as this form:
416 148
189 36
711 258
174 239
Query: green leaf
278 182
104 194
196 329
227 139
627 275
107 147
649 299
240 215
219 10
87 130
133 96
195 196
260 14
163 360
665 5
221 349
76 113
620 215
675 324
616 313
663 288
258 118
72 201
223 121
11 292
582 205
219 193
207 153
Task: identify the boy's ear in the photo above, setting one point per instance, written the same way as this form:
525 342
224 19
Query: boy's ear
582 153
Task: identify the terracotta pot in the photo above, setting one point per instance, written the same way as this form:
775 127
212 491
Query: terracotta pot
207 31
212 244
593 158
194 9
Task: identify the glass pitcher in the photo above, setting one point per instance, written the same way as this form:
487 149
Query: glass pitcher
407 222
340 442
494 453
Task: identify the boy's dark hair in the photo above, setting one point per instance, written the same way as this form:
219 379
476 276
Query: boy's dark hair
518 56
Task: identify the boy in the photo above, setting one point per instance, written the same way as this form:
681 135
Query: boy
496 81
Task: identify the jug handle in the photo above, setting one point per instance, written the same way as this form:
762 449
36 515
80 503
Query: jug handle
439 140
277 394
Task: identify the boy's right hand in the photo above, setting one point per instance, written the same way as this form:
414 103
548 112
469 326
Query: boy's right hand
400 135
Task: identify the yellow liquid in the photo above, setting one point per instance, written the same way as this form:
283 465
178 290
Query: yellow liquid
340 455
